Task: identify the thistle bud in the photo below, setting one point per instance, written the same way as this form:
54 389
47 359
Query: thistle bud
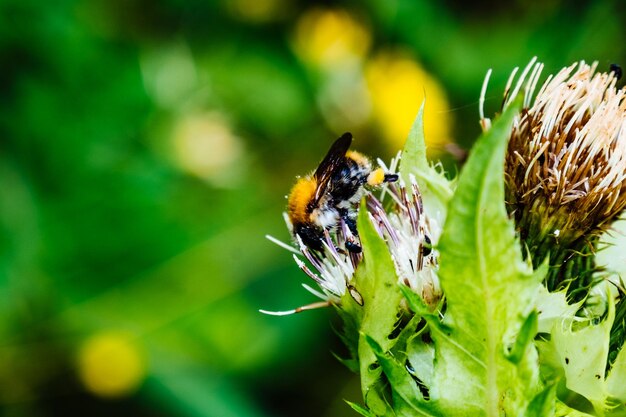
566 167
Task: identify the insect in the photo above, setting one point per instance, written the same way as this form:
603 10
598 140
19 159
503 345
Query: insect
321 200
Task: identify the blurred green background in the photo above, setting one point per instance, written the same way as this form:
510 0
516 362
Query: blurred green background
146 148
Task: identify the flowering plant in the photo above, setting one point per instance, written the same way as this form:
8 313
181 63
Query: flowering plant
481 296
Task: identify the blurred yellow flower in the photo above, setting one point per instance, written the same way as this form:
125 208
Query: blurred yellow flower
111 364
205 146
326 38
397 86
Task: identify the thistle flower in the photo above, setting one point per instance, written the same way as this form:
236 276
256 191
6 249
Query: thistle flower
406 231
332 272
565 166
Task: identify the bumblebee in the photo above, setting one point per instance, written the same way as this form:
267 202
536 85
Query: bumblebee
321 200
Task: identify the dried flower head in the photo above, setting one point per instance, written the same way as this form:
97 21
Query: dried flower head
566 161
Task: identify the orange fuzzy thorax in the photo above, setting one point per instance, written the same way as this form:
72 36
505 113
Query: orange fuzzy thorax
301 195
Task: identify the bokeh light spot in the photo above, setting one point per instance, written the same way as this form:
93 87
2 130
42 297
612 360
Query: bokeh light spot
344 99
111 364
397 87
169 74
206 147
327 38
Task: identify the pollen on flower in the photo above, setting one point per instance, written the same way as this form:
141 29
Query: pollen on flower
376 177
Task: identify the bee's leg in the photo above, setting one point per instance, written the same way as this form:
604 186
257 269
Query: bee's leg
350 221
312 239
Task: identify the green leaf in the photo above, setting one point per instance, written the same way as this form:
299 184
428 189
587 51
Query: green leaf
583 354
578 353
417 304
616 381
422 358
549 362
524 338
489 291
421 355
351 314
552 307
436 189
350 363
544 403
414 153
611 257
406 334
359 409
563 410
377 283
402 383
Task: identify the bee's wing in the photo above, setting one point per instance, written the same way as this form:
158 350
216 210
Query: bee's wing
333 158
